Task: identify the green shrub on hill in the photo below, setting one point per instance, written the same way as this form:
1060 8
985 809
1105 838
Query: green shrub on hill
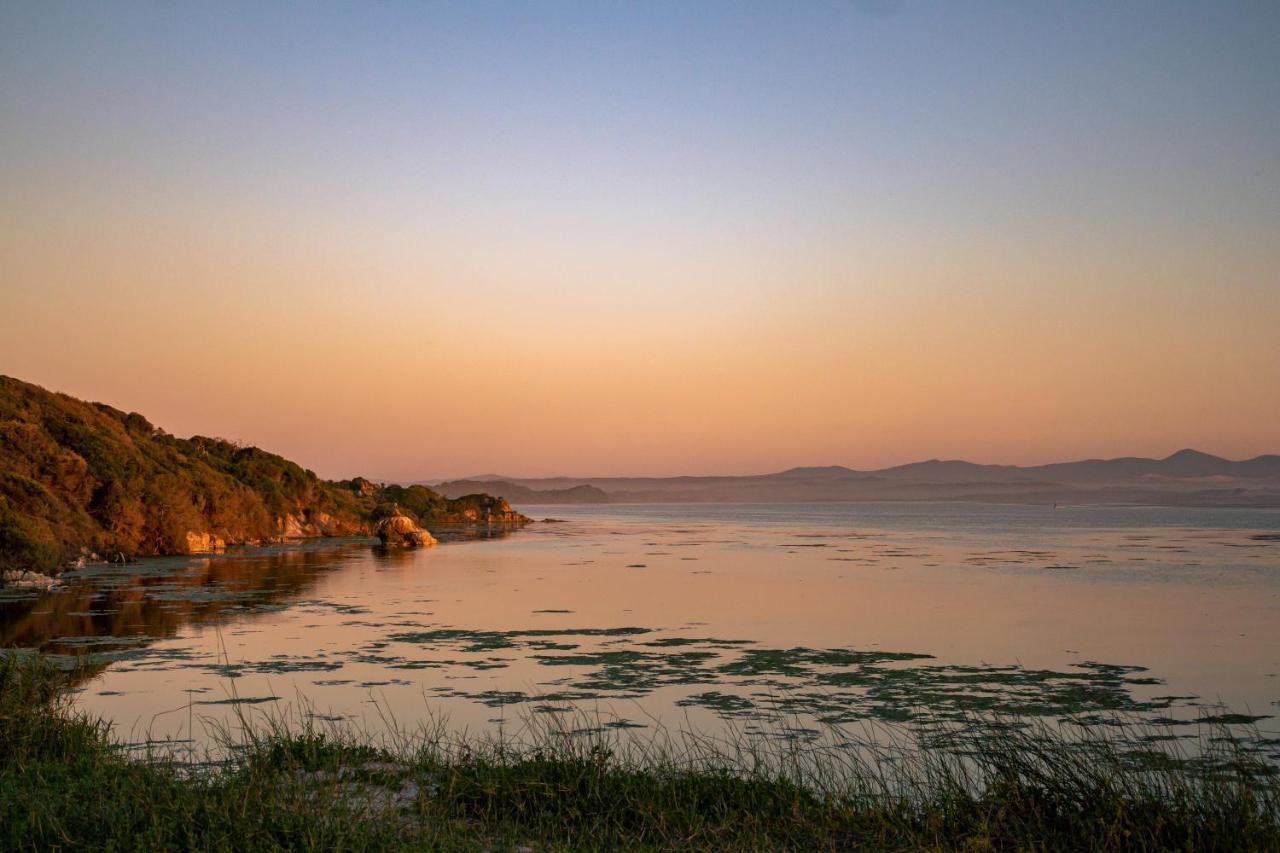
79 479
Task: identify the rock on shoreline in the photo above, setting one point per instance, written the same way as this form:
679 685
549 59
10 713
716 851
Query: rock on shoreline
27 580
400 531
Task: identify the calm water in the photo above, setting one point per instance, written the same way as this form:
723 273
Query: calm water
691 616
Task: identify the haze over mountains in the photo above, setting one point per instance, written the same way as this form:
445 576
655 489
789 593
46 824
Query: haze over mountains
1186 478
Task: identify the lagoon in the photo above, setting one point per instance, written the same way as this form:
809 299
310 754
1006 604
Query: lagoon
780 620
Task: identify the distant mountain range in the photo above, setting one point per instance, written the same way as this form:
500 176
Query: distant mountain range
1185 478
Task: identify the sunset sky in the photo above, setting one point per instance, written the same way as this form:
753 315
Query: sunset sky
420 240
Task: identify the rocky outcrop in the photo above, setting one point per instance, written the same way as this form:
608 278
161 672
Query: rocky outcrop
362 487
324 524
400 531
291 527
480 509
204 542
27 580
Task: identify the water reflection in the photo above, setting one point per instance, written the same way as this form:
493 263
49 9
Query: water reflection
112 607
473 532
155 598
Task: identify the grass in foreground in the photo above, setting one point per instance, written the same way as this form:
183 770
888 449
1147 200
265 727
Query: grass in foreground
63 784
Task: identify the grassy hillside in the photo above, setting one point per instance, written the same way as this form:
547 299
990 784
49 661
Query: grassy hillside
82 479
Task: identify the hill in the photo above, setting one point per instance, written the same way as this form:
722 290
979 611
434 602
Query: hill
86 480
1184 478
581 494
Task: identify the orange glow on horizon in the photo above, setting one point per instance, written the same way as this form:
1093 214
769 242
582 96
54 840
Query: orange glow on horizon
413 242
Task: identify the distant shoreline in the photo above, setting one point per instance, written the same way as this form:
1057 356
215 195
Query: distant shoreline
1186 478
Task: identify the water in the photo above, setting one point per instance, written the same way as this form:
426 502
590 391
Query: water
697 616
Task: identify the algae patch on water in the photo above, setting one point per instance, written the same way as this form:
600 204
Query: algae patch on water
744 680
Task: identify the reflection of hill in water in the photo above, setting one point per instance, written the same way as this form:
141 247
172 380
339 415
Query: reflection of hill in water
153 599
472 532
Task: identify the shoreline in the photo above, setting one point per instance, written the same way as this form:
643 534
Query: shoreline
33 579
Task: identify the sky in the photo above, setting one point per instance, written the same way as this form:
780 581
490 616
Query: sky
429 240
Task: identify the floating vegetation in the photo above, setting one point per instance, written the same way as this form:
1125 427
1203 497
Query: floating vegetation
487 640
726 704
668 642
275 665
831 685
239 700
1229 719
796 662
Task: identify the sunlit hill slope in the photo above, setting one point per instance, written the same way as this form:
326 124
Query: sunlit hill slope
87 481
